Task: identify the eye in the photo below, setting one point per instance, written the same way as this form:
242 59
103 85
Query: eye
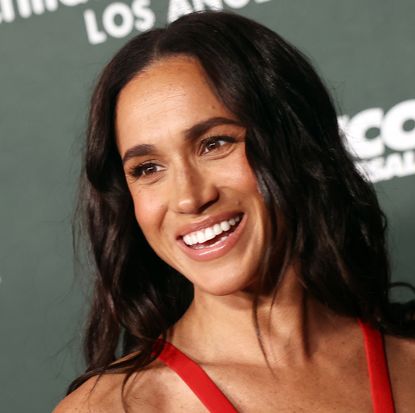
214 143
144 170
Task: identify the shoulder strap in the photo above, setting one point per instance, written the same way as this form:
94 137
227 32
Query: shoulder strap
380 385
197 380
216 402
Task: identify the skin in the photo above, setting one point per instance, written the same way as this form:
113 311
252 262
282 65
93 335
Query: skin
190 180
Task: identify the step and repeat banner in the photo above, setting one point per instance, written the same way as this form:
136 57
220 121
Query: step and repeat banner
50 54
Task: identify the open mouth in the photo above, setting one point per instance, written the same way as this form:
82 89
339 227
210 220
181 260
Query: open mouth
214 235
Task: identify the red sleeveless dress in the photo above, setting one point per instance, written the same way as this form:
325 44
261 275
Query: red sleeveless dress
216 402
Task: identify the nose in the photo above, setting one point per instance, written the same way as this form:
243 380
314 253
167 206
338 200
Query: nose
192 191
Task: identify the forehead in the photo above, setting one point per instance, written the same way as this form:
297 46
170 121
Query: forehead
167 97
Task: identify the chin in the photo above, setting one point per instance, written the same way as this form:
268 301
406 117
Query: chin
222 286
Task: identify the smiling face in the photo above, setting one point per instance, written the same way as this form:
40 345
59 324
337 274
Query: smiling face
195 196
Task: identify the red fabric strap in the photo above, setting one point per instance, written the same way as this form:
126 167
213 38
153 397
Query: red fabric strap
198 381
380 386
216 402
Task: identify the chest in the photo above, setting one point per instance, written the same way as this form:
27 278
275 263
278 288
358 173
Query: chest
326 388
295 390
334 384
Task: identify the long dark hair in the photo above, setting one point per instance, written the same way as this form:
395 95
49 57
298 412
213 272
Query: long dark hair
333 225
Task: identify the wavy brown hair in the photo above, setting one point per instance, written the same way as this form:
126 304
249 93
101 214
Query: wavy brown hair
333 225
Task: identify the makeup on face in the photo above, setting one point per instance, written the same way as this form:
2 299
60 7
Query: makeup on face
195 196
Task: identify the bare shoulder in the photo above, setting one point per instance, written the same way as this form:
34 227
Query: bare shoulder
401 361
96 395
401 351
154 389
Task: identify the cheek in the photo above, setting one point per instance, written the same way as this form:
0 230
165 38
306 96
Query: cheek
243 176
148 212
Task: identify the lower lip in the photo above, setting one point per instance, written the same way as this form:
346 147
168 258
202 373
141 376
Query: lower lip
217 250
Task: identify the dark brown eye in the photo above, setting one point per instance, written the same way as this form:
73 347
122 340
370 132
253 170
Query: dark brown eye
215 142
144 170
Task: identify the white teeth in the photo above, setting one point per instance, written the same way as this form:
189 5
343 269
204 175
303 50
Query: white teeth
225 225
199 237
217 229
209 234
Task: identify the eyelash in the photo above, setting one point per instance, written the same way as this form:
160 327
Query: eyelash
214 139
138 171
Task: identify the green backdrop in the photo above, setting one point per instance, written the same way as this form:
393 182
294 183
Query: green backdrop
50 54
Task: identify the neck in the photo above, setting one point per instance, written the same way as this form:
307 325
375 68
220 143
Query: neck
222 328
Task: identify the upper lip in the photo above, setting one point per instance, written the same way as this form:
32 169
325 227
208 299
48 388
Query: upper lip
206 222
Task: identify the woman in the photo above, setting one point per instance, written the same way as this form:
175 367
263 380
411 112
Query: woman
230 231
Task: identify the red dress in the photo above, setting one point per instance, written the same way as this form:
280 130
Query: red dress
216 402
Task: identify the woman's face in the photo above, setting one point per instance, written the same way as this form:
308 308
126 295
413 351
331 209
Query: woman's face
195 195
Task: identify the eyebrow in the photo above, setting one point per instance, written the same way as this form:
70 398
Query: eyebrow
190 134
